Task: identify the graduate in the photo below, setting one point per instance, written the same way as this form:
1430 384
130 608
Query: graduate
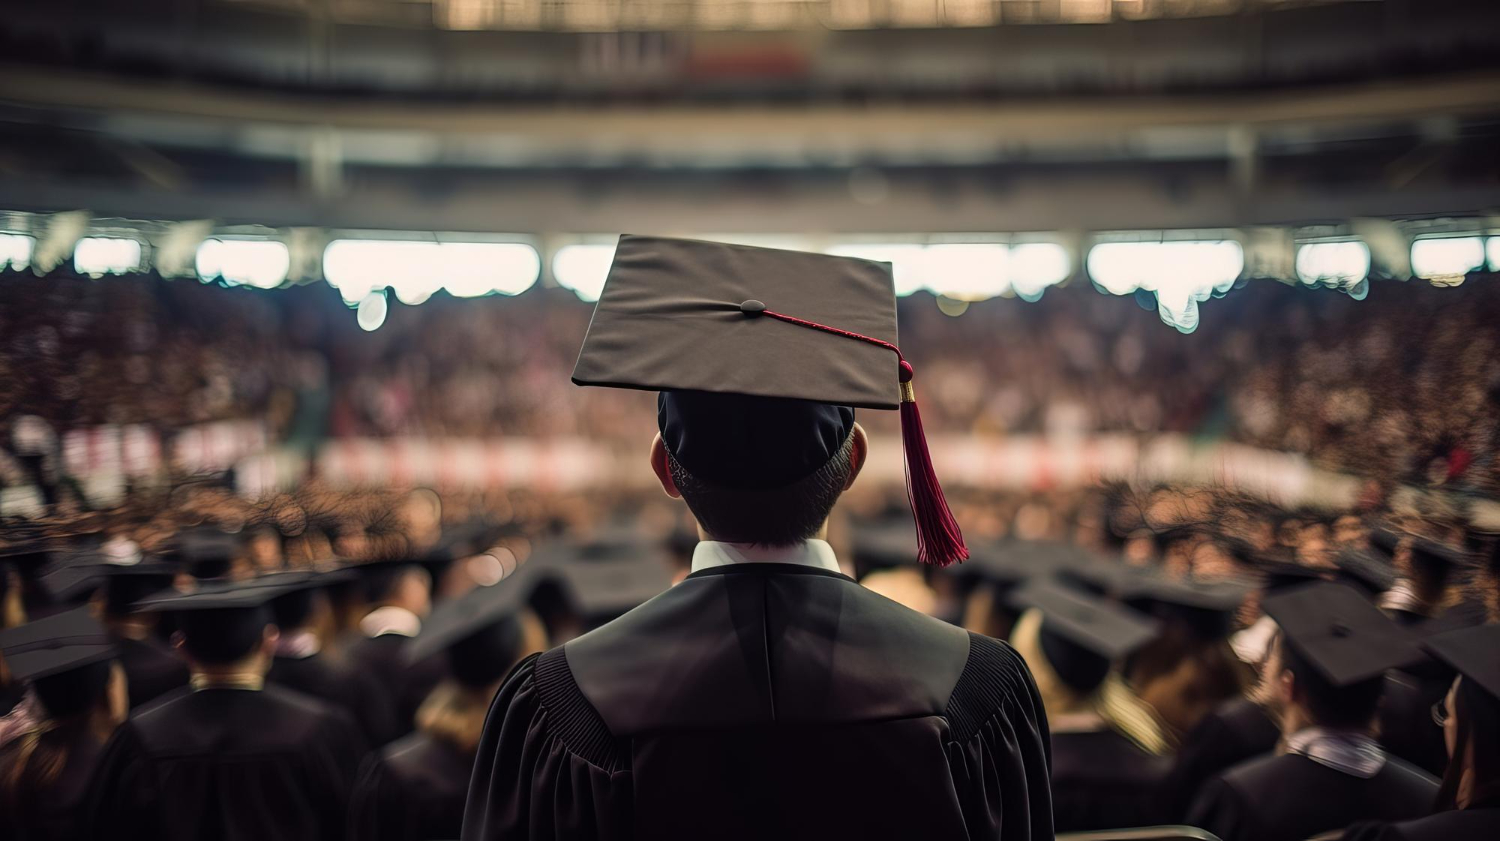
230 756
767 695
1329 662
398 595
151 668
304 620
1104 768
415 788
1469 719
69 662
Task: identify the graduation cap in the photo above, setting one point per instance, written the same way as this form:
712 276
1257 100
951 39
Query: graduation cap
1082 635
126 584
65 657
292 608
221 621
771 349
1472 652
1385 539
1006 564
480 631
602 588
1206 608
207 552
1339 633
1366 571
883 544
1436 559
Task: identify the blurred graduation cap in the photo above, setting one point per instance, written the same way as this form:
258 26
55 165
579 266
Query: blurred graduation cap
126 584
1205 608
1083 635
1472 652
883 544
769 350
65 657
601 587
1385 539
221 621
292 608
1007 564
1277 568
1436 560
480 631
1340 633
28 558
1364 570
206 552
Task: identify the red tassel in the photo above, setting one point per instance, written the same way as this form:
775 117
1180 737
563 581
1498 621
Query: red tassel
940 542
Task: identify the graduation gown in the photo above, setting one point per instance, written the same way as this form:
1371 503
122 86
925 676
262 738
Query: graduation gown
405 685
413 790
1233 732
1101 780
1291 797
757 701
151 669
355 692
54 813
1473 824
228 764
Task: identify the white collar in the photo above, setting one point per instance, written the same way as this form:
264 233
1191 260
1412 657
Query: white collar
812 553
1351 752
390 620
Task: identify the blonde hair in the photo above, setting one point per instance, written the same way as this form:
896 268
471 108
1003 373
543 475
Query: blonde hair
1114 703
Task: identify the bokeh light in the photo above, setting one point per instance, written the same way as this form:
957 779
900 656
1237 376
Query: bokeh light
260 263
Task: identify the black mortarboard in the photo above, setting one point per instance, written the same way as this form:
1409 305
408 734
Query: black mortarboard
1006 564
1435 559
881 544
480 631
1081 634
292 608
761 356
1473 652
54 645
221 621
1340 633
1385 539
126 584
1284 575
1206 608
603 587
208 552
1363 569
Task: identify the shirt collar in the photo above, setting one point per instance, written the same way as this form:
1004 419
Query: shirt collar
390 620
1355 754
298 645
813 553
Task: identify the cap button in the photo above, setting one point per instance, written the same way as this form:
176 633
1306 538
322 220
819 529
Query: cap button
1339 629
752 308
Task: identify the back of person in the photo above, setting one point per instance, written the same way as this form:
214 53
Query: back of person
768 701
43 782
1101 780
229 764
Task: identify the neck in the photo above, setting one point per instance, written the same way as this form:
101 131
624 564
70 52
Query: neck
249 673
130 627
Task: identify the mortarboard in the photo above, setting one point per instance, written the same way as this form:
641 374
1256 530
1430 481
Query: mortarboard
1363 569
207 552
126 584
54 645
1207 608
775 350
1082 635
601 587
480 631
1385 539
1340 633
221 620
1435 558
1472 652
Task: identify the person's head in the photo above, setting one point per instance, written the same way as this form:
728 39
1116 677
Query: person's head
305 609
239 639
1471 732
401 585
756 470
95 689
1306 697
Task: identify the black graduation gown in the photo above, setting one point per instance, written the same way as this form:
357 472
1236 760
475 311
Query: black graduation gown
759 701
1231 733
406 685
355 692
228 764
1473 824
1291 797
151 669
55 813
1101 780
1406 726
414 790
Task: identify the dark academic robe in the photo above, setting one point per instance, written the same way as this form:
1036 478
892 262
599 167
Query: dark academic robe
1101 780
228 764
413 791
406 685
353 691
151 669
766 701
1233 732
1291 797
1480 823
52 814
1406 726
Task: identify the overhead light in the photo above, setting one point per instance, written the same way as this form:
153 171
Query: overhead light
583 268
966 271
242 262
1181 274
1492 250
372 311
106 255
906 259
414 270
1344 263
1035 266
1441 258
15 250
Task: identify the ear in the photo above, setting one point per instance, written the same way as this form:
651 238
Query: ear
269 637
661 469
1286 686
860 447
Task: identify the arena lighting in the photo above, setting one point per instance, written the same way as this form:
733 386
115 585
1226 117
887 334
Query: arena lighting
906 258
1034 266
1446 257
262 264
15 250
583 268
414 270
1344 263
372 311
1182 274
106 255
966 271
1492 250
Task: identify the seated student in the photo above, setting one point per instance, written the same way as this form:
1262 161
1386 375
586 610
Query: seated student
70 664
415 788
1103 770
1329 662
304 618
229 757
1469 801
399 595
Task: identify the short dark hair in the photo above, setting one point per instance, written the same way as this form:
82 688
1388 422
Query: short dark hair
222 637
1352 706
776 517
